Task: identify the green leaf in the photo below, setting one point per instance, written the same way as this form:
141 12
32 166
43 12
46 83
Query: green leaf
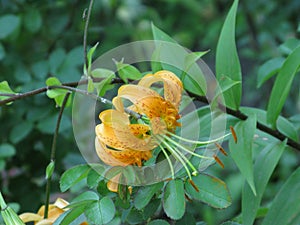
283 125
105 85
241 152
95 175
160 35
145 194
5 89
155 60
33 20
135 216
227 61
73 176
8 23
268 69
282 86
57 93
192 58
212 191
89 58
127 71
285 208
20 131
158 222
289 46
225 84
174 200
101 212
173 57
90 86
7 150
264 166
71 217
50 169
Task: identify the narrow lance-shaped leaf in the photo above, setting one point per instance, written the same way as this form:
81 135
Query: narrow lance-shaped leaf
285 208
175 58
263 169
241 152
282 86
227 60
268 69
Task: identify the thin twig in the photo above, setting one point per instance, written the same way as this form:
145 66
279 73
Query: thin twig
87 20
53 150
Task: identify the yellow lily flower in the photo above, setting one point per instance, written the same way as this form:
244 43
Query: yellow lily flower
128 134
55 210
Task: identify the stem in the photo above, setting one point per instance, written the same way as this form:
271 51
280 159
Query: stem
86 33
53 151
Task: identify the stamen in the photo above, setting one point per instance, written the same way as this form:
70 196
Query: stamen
185 148
233 134
173 151
197 142
194 185
195 172
169 161
218 161
221 149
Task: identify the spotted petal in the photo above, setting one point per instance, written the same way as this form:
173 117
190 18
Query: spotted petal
172 85
120 158
116 132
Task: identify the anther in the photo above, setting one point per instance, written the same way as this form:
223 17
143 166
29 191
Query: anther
221 149
233 134
218 161
194 185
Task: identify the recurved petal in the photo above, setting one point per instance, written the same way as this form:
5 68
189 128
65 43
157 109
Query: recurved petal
172 85
112 116
135 92
121 158
105 155
29 217
122 136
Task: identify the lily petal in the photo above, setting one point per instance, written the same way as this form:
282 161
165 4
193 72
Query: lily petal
120 158
172 85
116 132
29 217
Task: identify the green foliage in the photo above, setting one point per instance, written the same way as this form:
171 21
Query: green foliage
174 201
282 86
40 47
212 191
227 60
285 207
241 151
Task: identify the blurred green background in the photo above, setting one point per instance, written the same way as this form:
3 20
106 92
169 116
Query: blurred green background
39 39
